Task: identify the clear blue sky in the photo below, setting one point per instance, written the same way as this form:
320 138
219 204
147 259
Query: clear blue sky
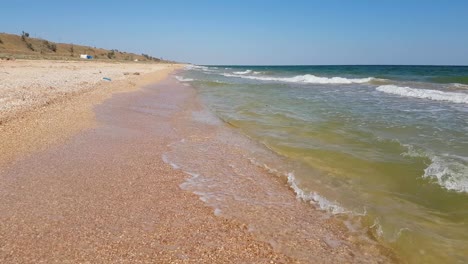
256 32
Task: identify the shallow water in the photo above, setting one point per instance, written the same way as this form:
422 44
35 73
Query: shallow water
384 145
244 181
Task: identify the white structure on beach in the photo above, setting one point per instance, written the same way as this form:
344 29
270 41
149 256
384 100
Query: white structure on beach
86 56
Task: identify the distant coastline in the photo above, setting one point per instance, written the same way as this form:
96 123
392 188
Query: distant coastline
25 47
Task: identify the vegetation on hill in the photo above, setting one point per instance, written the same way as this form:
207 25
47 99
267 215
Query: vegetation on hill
24 47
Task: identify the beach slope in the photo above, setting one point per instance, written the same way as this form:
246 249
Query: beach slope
92 185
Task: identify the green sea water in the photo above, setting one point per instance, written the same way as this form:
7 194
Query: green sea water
387 145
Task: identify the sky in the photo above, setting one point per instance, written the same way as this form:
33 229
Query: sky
256 32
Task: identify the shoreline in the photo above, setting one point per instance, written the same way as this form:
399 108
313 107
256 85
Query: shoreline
234 175
381 165
105 194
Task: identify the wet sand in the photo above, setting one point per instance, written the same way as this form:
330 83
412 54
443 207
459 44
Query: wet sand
106 195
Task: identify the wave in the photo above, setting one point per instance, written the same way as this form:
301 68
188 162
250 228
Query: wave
243 72
202 68
450 172
435 95
412 152
314 198
308 78
460 85
182 79
191 67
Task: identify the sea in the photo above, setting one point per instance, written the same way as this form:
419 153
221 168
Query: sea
387 145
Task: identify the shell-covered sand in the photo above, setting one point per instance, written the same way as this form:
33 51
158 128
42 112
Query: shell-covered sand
32 83
44 102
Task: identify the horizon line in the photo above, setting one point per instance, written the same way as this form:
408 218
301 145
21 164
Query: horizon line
283 65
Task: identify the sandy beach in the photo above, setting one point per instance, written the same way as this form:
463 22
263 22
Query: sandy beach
44 102
233 132
89 175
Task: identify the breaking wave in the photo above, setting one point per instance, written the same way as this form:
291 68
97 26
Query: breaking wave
314 198
197 67
243 72
307 78
202 68
449 171
436 95
460 85
182 79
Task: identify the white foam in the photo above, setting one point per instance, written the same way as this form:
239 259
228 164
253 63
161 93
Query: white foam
314 198
413 152
377 227
166 160
182 79
201 68
448 173
243 72
459 85
388 235
191 182
191 67
308 78
436 95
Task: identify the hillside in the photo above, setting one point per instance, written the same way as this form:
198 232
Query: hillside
25 47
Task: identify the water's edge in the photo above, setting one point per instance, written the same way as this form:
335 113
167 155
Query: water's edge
243 179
